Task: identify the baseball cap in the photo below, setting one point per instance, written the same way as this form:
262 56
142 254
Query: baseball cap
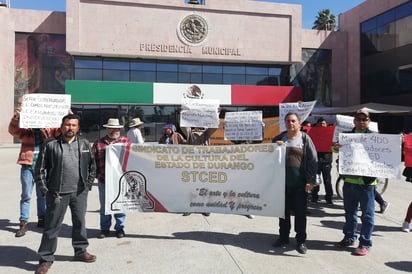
362 111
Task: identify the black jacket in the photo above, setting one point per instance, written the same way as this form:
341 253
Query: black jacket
48 171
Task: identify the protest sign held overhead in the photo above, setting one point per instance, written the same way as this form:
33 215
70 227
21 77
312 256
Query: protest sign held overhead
243 125
199 113
302 109
44 110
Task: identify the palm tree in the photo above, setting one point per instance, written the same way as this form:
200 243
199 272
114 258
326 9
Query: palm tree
325 20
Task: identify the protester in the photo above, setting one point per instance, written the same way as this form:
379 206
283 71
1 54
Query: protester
31 141
301 168
305 125
199 137
408 218
134 134
170 136
407 172
324 169
382 203
358 190
65 172
99 148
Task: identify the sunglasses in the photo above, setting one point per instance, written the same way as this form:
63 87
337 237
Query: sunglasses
362 119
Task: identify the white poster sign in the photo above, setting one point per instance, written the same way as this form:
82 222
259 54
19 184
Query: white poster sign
345 124
184 178
243 125
302 109
44 110
370 154
199 113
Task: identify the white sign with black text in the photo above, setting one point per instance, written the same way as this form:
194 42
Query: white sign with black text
370 154
302 109
243 125
44 110
199 113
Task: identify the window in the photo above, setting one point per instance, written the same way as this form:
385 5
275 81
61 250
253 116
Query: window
143 70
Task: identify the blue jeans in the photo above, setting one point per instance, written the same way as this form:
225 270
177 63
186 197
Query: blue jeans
27 183
355 195
106 220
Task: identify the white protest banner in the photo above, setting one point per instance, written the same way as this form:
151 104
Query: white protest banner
302 109
199 113
231 179
345 123
370 154
44 110
243 125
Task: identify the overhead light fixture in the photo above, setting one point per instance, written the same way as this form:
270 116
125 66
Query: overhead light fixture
193 2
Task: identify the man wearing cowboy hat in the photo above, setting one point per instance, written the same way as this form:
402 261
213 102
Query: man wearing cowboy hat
134 134
99 148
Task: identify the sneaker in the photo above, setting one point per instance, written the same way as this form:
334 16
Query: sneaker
344 243
103 234
384 207
280 243
405 227
207 214
361 251
120 233
301 248
250 216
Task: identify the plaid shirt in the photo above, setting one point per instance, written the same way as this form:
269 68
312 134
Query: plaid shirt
99 150
27 138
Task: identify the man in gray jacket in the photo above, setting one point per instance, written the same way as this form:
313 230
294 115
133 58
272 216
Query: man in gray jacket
301 165
65 171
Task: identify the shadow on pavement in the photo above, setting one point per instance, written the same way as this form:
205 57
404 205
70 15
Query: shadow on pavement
403 265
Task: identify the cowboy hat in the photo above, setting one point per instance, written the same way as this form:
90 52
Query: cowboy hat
135 122
113 123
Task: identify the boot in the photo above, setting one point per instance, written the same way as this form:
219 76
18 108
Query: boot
40 221
23 229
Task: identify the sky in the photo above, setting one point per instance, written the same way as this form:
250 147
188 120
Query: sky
310 8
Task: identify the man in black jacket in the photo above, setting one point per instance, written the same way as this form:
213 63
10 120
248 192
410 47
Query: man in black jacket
65 171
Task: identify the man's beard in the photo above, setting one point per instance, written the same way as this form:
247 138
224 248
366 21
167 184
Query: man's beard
69 134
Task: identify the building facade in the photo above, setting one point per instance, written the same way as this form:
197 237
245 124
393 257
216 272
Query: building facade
129 58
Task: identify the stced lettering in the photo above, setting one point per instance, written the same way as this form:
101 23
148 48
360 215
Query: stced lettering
204 177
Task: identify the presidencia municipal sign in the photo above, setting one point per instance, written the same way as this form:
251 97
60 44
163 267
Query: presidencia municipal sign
232 179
